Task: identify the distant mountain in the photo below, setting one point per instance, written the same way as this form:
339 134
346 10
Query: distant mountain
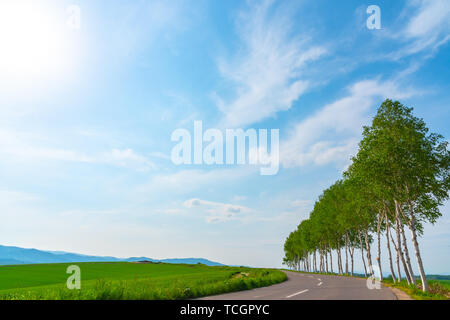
10 255
191 261
9 262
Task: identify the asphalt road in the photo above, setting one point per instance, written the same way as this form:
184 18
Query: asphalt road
301 286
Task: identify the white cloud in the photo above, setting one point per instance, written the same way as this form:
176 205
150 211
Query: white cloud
427 28
301 203
170 211
86 213
9 197
159 155
239 198
266 73
332 133
16 146
125 158
187 181
285 213
32 222
218 211
433 17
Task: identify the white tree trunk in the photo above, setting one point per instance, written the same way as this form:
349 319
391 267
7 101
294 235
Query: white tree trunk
412 227
346 254
405 247
399 244
379 246
399 278
352 251
321 260
314 261
394 278
338 252
406 251
331 261
362 255
369 256
309 263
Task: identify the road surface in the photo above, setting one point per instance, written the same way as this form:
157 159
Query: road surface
302 286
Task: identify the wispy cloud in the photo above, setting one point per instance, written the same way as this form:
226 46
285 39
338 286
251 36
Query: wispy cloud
188 181
301 203
282 212
266 73
427 27
16 197
14 147
331 135
239 198
218 211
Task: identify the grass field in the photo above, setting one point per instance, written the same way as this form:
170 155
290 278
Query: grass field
438 289
123 280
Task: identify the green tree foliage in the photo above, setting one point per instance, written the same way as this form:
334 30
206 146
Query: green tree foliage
398 179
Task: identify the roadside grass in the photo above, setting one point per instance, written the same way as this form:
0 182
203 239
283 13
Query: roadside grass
130 281
438 289
355 275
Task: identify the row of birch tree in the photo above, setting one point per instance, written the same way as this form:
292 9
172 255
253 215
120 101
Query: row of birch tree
396 183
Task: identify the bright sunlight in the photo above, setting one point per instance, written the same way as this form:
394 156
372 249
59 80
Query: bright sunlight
33 40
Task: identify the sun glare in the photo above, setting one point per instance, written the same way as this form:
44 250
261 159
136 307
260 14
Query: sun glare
33 44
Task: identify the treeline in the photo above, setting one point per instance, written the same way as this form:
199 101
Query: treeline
397 181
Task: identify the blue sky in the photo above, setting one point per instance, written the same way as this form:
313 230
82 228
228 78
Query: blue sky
87 116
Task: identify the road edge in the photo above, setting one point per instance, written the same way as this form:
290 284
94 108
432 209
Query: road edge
399 293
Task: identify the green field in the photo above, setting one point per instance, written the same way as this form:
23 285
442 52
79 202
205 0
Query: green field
438 289
124 280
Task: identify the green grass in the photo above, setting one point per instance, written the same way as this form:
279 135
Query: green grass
445 283
130 281
438 289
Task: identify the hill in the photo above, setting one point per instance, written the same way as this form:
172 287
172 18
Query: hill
129 281
10 255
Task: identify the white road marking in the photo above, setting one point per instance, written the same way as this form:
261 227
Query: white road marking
319 279
290 296
320 284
